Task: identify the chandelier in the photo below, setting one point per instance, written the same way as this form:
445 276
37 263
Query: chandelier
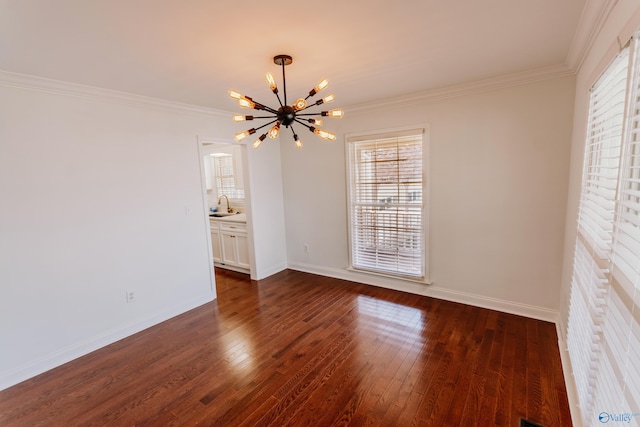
286 114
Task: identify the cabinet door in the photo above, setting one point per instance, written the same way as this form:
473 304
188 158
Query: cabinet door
229 248
242 246
215 246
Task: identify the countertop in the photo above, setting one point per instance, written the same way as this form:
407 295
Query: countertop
230 218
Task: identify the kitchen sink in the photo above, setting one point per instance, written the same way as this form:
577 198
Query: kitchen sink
219 214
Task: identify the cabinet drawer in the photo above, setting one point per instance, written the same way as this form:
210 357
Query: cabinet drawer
239 227
214 224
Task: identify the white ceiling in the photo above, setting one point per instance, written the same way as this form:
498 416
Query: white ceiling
193 51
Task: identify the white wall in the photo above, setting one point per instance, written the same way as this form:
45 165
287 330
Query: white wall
265 217
101 193
498 180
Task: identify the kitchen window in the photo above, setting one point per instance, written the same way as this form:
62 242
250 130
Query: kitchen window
226 177
387 203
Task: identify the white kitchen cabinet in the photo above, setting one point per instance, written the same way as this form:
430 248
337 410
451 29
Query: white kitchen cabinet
242 247
235 250
230 245
216 247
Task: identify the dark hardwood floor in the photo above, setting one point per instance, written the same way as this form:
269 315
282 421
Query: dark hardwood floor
303 350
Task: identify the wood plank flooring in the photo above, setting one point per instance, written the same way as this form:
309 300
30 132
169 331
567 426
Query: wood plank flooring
303 350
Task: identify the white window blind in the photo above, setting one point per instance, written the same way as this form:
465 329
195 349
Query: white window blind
603 329
622 320
595 224
387 188
225 177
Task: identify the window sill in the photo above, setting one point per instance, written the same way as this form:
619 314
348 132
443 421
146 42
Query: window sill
420 280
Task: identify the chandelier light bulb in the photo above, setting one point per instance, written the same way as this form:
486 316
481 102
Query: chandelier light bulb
300 104
258 141
242 135
317 88
328 98
241 118
333 113
316 122
273 133
245 103
324 134
272 83
235 94
322 85
297 141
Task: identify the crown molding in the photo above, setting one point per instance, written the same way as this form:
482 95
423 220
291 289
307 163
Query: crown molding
594 15
478 86
41 84
24 81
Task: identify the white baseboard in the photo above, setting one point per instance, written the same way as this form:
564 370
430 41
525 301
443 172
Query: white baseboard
511 307
64 355
569 383
231 267
269 271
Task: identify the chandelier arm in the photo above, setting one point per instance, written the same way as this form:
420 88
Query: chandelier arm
258 106
309 114
269 109
266 124
303 124
279 101
264 117
309 106
295 136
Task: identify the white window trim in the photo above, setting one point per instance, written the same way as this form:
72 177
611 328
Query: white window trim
426 200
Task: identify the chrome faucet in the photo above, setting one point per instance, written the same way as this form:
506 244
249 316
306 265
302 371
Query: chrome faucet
228 207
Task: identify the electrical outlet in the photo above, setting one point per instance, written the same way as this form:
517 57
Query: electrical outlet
131 295
306 248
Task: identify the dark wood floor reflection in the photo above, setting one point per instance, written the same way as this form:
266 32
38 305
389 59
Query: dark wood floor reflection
304 350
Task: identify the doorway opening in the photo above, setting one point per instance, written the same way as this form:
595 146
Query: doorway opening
226 207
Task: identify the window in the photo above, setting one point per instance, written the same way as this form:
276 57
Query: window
622 321
225 176
603 334
387 203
